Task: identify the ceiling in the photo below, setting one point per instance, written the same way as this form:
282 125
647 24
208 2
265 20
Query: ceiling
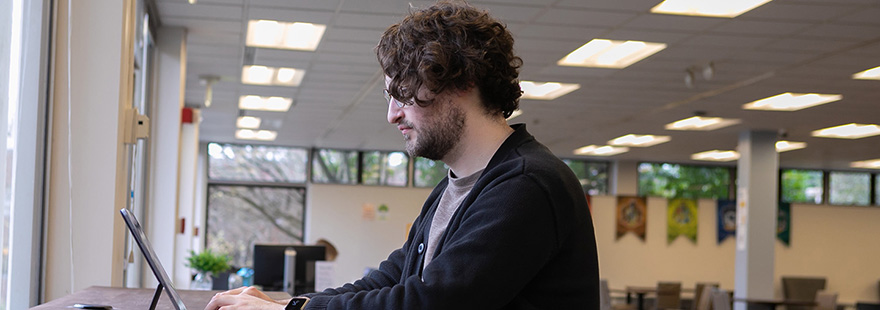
783 46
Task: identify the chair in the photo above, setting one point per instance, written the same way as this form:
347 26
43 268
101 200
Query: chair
605 298
801 289
720 299
826 300
668 295
703 296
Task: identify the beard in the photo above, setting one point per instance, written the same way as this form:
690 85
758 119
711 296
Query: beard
439 134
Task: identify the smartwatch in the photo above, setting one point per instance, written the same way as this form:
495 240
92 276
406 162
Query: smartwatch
297 303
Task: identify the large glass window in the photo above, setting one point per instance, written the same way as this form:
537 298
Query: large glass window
427 173
801 186
240 216
877 189
592 175
683 181
334 166
229 162
849 188
384 168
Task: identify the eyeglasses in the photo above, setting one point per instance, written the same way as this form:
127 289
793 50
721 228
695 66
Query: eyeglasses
389 98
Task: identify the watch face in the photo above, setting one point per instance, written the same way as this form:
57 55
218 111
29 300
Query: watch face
296 303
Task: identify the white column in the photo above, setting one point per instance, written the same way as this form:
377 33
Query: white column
189 145
84 231
165 148
625 178
757 175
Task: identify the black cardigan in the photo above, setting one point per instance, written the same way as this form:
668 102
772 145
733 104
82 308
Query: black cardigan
522 239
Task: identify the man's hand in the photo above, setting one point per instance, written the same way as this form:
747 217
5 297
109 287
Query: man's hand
244 298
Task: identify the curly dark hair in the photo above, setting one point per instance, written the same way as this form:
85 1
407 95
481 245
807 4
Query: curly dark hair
451 45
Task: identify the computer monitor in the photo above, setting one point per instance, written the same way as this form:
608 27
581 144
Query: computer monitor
269 266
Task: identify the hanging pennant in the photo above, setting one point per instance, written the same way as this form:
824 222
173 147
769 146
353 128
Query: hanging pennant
681 219
783 223
631 216
726 217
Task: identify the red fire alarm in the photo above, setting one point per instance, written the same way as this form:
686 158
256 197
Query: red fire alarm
186 116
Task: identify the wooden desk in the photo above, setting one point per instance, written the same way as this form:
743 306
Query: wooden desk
771 304
135 298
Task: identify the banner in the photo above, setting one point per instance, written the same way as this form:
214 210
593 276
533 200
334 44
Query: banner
783 223
631 216
726 217
681 219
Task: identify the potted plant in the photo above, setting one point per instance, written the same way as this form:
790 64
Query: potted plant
205 264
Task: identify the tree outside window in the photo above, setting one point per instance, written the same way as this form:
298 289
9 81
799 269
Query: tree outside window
683 181
849 188
801 186
593 176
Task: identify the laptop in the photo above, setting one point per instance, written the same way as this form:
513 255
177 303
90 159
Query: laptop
147 249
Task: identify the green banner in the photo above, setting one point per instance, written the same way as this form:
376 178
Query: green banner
681 219
783 223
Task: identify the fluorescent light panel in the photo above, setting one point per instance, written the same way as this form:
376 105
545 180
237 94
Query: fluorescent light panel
791 101
848 131
785 146
870 74
284 35
248 122
639 140
709 8
602 53
870 164
258 103
249 134
716 155
545 90
600 150
701 123
272 76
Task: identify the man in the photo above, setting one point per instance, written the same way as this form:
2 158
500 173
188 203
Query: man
509 228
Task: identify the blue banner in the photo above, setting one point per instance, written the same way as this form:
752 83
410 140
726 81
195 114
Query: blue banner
726 219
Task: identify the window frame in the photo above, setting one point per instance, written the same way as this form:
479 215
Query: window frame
731 178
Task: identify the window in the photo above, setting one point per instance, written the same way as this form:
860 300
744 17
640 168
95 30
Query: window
592 175
877 189
683 181
384 168
801 186
334 166
240 216
427 173
229 162
849 188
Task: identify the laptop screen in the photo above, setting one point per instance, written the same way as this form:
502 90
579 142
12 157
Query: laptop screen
147 249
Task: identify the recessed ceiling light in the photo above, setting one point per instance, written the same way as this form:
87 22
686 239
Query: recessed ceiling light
710 8
514 114
249 122
273 104
701 123
870 164
249 134
870 74
263 75
791 101
848 131
600 150
784 146
716 155
283 35
604 53
545 90
638 140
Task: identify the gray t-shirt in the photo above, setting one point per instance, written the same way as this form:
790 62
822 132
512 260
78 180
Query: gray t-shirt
456 190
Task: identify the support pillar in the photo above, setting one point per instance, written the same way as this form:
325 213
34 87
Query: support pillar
757 201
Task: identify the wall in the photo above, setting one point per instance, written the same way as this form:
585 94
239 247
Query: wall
835 242
334 212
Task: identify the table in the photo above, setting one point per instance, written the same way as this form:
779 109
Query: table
135 298
771 304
